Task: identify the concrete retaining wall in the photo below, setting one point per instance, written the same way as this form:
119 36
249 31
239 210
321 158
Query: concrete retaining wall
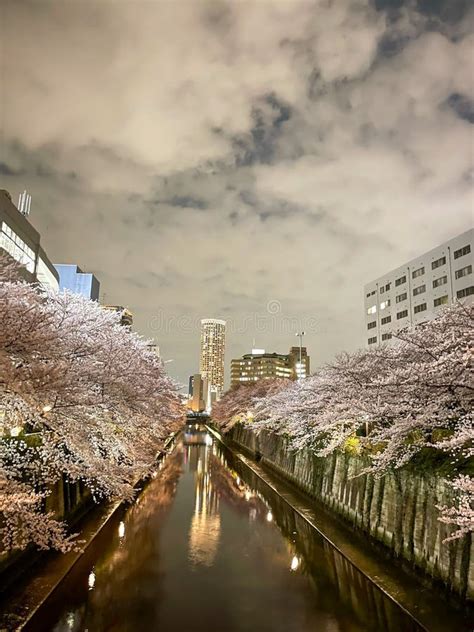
398 510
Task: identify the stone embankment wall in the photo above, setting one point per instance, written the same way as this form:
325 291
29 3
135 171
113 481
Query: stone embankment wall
398 510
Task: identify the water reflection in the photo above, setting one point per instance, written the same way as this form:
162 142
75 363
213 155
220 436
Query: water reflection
205 523
210 547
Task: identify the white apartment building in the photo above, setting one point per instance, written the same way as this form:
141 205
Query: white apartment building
416 291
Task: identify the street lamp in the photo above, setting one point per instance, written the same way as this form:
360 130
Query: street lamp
300 336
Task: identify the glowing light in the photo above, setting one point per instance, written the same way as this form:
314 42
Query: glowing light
208 440
121 530
294 563
14 432
248 495
70 620
237 480
269 516
47 408
91 580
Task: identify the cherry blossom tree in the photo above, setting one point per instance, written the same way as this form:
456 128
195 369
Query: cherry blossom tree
461 514
413 395
237 404
91 390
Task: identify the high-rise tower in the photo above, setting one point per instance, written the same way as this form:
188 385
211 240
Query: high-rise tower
211 364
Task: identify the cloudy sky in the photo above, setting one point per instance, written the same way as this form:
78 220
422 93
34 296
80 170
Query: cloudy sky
252 161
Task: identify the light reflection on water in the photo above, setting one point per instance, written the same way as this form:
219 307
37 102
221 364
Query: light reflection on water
210 547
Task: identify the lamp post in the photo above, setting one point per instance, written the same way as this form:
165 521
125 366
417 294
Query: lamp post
300 336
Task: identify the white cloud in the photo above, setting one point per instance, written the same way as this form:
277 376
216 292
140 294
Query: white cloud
157 157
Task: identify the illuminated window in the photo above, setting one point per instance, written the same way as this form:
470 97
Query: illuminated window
442 300
385 304
372 310
17 248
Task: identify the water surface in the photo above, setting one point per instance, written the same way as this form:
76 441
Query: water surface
208 547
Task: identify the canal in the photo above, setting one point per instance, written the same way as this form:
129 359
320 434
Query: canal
207 546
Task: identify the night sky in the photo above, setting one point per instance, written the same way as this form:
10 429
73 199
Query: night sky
252 161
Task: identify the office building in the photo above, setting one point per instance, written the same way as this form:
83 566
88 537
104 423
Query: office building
126 316
211 365
417 291
299 362
198 393
22 242
72 278
260 365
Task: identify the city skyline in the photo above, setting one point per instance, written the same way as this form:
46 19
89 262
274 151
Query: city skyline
199 163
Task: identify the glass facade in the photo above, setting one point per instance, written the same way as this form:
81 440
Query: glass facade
73 279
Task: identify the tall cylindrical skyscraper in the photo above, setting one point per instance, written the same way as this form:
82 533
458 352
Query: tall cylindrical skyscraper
211 364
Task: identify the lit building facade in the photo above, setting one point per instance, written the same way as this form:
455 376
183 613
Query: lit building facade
211 365
418 290
259 365
21 241
300 366
126 316
198 393
72 278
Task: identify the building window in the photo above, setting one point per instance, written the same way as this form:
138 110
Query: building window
467 291
462 272
387 287
385 304
372 324
442 300
387 319
465 250
386 336
417 273
372 310
382 290
439 262
372 340
16 247
419 290
441 281
401 280
402 297
403 314
420 308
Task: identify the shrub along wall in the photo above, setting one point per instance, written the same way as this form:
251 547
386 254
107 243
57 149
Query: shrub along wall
398 509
